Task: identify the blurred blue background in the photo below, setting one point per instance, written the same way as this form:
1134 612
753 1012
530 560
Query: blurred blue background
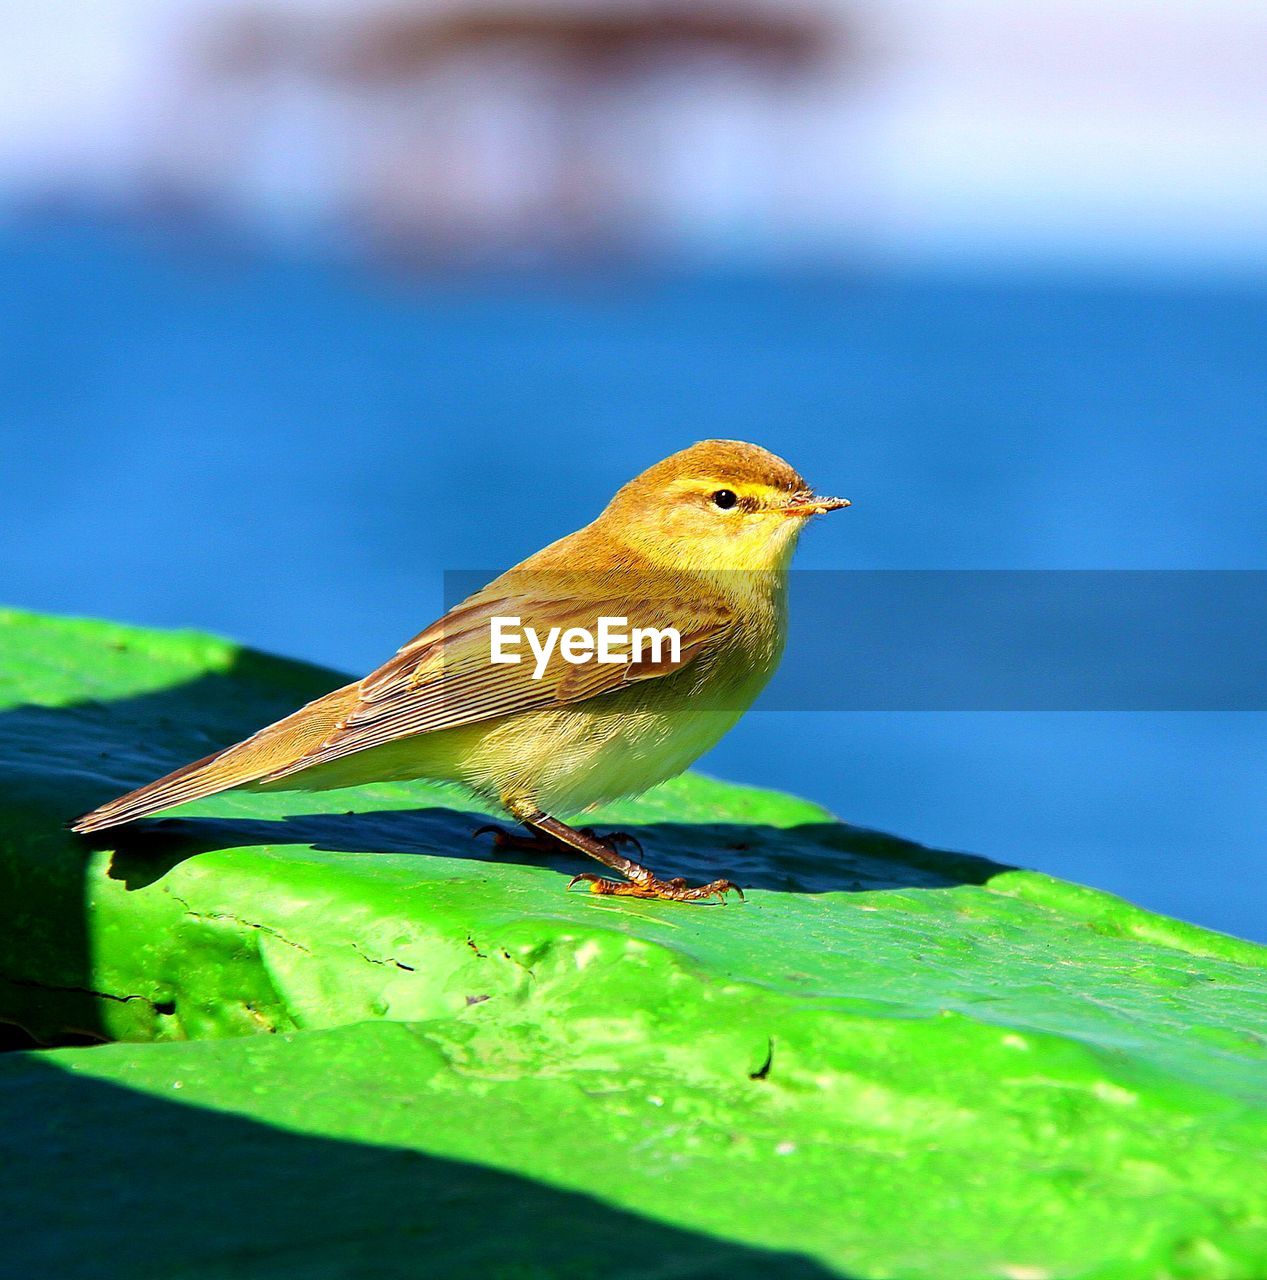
305 304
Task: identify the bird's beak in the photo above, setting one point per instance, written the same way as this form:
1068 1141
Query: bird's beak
812 504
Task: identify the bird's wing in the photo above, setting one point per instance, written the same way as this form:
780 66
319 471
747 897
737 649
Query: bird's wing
445 677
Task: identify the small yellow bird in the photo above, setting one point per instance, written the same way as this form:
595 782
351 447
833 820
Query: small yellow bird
514 694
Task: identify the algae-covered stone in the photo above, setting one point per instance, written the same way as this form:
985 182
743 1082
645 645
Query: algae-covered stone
890 1062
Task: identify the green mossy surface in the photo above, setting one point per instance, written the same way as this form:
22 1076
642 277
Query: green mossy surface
361 1044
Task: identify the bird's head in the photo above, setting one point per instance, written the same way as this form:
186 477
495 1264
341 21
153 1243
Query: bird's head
719 506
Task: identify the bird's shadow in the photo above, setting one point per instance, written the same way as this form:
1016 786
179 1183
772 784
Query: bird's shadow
820 857
56 761
90 738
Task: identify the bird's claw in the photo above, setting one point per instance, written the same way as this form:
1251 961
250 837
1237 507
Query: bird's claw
675 890
614 840
503 839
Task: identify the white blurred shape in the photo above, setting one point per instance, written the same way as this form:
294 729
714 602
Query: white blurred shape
983 129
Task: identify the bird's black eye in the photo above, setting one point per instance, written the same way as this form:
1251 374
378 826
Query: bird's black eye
724 499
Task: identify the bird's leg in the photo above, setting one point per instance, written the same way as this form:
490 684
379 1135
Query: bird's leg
641 882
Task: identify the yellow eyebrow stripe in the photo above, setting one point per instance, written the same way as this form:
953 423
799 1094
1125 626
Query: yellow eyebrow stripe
763 493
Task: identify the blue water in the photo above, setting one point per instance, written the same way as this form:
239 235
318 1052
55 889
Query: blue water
293 452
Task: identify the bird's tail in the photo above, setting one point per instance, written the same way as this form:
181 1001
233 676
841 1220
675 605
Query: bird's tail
279 745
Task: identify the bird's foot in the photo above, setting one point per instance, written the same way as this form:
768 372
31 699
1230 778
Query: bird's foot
614 840
649 886
638 881
538 843
503 839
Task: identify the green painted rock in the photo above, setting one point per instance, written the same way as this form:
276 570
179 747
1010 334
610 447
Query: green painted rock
357 1042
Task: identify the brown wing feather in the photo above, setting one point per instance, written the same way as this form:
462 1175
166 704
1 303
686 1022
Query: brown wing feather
444 678
243 762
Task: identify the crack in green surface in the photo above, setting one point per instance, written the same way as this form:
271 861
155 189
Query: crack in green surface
78 991
892 1061
246 924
